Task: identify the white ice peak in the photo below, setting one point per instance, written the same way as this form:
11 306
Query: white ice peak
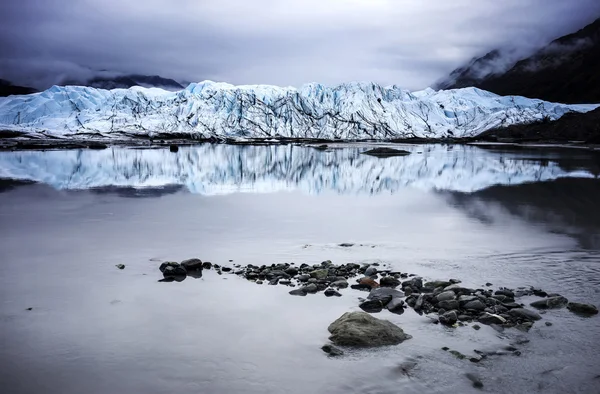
348 111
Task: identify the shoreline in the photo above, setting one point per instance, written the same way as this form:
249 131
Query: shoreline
23 142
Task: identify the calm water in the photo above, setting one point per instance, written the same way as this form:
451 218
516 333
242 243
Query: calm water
510 217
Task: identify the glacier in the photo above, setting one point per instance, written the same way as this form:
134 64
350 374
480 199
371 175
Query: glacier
350 111
213 169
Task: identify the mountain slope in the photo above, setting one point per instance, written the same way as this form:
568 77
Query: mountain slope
8 89
127 81
349 111
565 71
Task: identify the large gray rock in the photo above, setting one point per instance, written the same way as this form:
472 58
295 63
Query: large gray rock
582 309
446 296
396 305
475 305
371 271
340 284
449 318
550 303
525 314
364 330
192 264
490 318
170 269
382 293
389 281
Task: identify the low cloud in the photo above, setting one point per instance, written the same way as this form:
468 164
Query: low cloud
405 42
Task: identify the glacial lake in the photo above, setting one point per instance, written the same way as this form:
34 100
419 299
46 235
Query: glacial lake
510 216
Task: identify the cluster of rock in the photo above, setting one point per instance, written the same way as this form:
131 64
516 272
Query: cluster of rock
177 272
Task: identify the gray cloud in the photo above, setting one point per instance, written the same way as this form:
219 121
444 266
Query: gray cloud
410 43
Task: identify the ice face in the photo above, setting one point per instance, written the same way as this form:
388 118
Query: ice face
348 111
219 169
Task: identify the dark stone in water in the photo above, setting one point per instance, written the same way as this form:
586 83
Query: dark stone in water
550 303
346 245
331 293
505 292
385 152
173 269
582 309
173 148
389 281
384 294
333 351
370 271
524 314
120 266
449 318
476 305
396 305
374 306
477 383
207 265
192 264
298 292
448 305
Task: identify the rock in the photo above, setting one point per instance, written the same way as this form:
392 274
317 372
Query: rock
419 303
582 309
489 318
445 296
416 282
476 305
120 266
331 293
226 269
449 318
396 305
463 299
374 306
319 274
457 354
368 282
340 284
310 288
274 282
383 293
524 314
364 330
464 317
292 271
285 282
207 265
437 283
371 271
505 292
385 152
173 269
476 327
475 379
550 303
298 292
361 287
346 245
304 278
389 281
488 284
333 351
259 282
192 264
313 280
448 305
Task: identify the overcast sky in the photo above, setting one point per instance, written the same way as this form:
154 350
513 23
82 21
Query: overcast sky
410 43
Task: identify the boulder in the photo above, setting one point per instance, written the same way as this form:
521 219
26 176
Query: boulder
449 318
292 271
172 269
371 271
396 305
416 282
311 288
448 305
382 293
524 314
368 282
192 264
298 292
331 293
207 265
582 309
374 306
489 318
389 281
304 278
319 274
445 296
550 303
340 284
363 330
333 351
475 305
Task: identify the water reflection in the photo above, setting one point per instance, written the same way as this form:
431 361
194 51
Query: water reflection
222 169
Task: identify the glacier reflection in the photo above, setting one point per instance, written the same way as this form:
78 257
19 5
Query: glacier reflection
220 169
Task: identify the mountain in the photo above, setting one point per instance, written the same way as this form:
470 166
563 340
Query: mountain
222 169
566 70
127 81
349 111
8 89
